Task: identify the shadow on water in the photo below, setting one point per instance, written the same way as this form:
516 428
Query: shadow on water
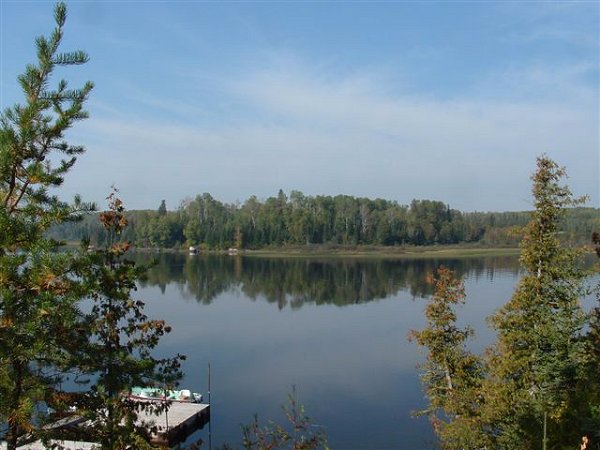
295 282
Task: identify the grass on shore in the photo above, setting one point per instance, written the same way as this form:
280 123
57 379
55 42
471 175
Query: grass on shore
381 252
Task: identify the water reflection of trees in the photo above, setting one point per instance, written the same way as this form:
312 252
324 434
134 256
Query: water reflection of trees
294 282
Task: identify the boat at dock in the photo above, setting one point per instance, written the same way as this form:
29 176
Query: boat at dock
168 428
150 393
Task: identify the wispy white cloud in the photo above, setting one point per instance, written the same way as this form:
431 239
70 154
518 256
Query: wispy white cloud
574 83
323 133
186 104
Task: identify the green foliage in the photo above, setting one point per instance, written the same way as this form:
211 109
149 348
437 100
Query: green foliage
452 375
118 340
339 220
162 209
38 293
44 336
539 355
537 386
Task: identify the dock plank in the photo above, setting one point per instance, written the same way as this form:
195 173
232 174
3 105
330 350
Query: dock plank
66 445
181 420
173 426
177 414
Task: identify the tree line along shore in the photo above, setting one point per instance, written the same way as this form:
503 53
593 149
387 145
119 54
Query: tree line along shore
297 224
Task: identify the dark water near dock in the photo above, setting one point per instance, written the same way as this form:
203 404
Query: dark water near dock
335 329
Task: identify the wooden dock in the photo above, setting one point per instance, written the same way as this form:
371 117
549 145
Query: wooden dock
173 427
176 424
66 445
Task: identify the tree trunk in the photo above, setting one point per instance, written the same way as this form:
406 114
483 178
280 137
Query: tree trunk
448 378
13 422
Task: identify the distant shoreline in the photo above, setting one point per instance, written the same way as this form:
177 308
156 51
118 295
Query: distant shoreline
383 252
340 251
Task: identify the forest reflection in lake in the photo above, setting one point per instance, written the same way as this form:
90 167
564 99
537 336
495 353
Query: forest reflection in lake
334 328
295 281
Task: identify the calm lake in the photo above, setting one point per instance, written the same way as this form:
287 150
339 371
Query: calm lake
336 329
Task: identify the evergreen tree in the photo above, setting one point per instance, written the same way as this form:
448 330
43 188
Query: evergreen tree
452 376
537 386
590 385
119 339
162 209
37 292
537 361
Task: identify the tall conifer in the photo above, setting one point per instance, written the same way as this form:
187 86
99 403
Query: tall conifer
537 360
37 292
537 386
452 375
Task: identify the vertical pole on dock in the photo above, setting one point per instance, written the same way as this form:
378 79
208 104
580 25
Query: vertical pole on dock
166 413
209 418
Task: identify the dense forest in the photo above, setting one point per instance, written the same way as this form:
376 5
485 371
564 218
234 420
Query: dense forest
298 219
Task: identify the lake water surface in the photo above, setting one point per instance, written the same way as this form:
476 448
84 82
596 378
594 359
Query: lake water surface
336 329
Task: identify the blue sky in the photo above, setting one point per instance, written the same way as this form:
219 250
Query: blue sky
449 101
